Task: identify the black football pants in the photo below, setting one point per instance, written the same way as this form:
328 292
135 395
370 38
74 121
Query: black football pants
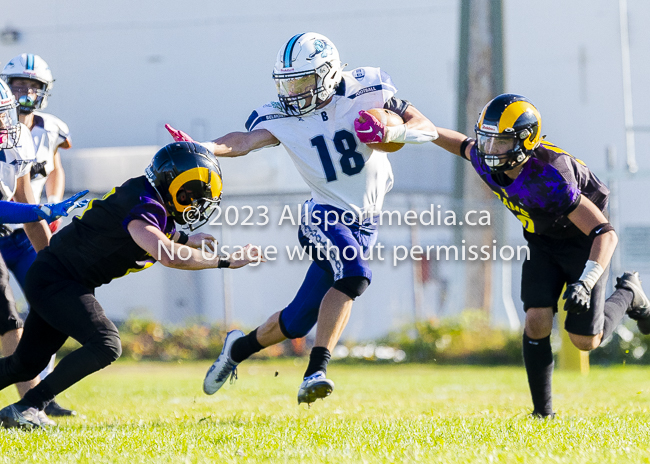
9 318
60 308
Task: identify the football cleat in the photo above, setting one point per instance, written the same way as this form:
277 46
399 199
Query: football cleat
54 409
314 387
44 420
224 367
18 416
639 309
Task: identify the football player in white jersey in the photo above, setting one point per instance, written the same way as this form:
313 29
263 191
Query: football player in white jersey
16 156
30 80
315 120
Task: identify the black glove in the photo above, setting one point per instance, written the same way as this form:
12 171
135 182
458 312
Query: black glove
578 298
38 169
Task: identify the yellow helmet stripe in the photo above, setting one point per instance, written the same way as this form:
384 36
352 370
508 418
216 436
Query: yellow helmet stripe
513 112
199 173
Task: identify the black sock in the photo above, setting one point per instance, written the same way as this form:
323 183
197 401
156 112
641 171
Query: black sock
38 397
538 359
615 308
245 347
318 359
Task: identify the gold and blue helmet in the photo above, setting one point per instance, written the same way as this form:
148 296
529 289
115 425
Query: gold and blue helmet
507 132
187 176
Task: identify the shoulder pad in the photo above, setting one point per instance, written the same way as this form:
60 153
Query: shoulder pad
51 122
365 80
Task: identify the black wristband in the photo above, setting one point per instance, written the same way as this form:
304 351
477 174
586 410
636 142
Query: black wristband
223 262
463 146
601 229
182 237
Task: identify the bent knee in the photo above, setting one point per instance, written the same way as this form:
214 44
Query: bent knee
539 322
107 347
585 342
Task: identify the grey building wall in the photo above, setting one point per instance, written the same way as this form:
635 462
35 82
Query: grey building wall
123 69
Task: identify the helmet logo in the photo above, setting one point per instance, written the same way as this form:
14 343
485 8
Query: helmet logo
489 128
322 47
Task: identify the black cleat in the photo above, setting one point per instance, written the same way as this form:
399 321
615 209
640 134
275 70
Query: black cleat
20 417
54 409
639 309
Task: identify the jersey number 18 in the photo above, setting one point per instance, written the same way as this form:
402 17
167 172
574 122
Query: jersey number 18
351 160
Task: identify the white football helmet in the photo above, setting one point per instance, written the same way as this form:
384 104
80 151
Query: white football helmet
306 72
33 67
9 124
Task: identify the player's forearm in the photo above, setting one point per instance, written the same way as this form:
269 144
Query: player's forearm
602 248
416 129
55 186
39 234
178 256
228 146
450 140
416 120
241 143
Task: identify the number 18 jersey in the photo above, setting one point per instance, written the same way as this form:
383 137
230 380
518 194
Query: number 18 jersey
340 170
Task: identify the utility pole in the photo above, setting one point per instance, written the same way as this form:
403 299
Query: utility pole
480 78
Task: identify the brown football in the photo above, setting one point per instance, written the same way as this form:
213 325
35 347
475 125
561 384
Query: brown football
387 118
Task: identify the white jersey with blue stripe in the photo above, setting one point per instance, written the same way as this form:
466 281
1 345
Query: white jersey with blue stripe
48 133
340 170
15 162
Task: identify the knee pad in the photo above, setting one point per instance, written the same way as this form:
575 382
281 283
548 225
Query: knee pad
352 286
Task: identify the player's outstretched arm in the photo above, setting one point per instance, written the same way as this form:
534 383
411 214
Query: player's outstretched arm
452 141
416 128
232 144
241 143
177 256
417 121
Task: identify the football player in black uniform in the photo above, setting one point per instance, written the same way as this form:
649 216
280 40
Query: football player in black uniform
119 234
562 207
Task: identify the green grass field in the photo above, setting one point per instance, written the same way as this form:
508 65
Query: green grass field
152 412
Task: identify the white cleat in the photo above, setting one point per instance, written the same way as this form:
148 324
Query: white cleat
224 367
314 387
44 420
20 417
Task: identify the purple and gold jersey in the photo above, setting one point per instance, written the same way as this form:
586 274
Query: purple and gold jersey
97 246
546 190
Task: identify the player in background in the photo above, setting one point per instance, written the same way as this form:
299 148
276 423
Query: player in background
31 81
562 207
315 120
16 155
128 230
